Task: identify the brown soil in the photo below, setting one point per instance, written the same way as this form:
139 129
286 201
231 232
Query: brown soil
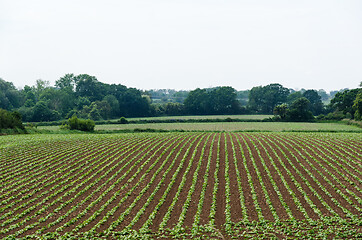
313 183
189 218
235 207
257 186
288 178
204 217
277 179
182 197
250 207
330 188
220 200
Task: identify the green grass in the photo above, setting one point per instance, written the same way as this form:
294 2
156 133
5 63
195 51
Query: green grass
244 117
228 126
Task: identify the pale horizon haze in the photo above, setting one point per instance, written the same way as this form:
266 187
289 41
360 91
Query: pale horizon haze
185 44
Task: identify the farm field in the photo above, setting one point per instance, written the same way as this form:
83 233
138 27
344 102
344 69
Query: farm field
183 185
236 126
246 117
227 126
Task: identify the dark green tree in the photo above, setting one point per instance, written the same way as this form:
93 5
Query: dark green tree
294 96
219 100
197 102
94 114
10 97
357 106
88 86
59 100
27 113
113 104
316 105
343 101
41 112
133 104
67 82
222 100
281 111
102 108
10 120
81 102
174 109
299 111
29 95
264 99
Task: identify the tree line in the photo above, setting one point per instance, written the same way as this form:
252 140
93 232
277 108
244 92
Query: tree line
82 95
86 97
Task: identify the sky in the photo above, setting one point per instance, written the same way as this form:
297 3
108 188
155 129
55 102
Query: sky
184 44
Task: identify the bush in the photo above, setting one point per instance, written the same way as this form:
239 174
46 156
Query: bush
321 117
298 111
75 123
123 120
335 116
10 120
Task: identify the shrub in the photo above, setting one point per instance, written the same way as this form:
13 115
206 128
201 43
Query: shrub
298 111
75 123
10 120
321 117
123 120
335 116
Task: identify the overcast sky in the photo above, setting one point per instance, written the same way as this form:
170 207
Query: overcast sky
184 44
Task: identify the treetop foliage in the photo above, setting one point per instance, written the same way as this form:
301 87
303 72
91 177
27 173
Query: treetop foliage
88 98
298 111
9 96
343 101
220 100
264 99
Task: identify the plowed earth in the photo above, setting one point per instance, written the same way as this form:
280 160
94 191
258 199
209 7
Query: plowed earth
217 185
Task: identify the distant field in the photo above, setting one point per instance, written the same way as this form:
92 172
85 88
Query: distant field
246 117
229 126
237 126
181 185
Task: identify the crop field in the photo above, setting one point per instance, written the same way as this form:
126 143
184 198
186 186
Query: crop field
227 126
217 185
